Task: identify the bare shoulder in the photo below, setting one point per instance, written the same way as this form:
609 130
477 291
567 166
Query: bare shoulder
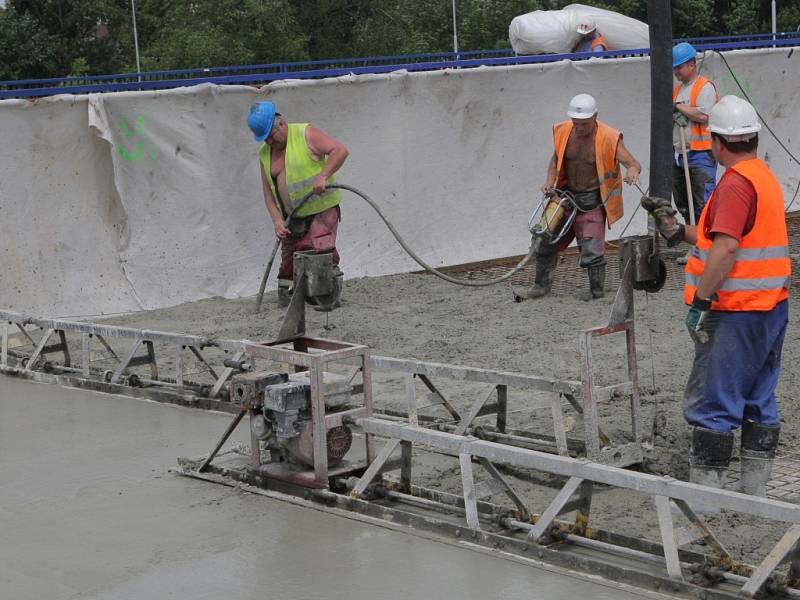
320 142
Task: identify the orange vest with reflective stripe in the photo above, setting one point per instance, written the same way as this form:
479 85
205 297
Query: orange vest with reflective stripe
599 41
699 136
759 278
605 147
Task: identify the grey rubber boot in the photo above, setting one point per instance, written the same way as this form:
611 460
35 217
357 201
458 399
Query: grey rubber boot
759 443
597 282
284 292
545 273
710 457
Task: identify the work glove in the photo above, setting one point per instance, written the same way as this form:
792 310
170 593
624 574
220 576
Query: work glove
680 119
696 317
666 222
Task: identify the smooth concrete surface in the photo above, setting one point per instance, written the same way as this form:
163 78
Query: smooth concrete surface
89 509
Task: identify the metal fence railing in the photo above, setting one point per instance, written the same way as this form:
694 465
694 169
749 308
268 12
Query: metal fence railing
264 73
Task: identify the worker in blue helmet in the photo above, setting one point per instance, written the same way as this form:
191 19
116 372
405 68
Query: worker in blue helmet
296 159
694 96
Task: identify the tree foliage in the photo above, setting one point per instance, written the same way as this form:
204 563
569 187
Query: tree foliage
53 38
26 50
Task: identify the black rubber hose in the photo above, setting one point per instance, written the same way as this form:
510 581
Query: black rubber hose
419 260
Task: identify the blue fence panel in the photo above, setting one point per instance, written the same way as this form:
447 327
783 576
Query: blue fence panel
264 73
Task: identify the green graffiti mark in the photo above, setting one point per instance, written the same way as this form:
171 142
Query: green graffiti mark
134 134
125 129
139 125
135 155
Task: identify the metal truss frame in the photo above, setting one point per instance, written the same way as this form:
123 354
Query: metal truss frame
54 362
57 361
576 496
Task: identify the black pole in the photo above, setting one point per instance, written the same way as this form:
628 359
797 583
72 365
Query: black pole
659 17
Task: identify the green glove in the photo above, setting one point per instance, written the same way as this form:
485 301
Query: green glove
696 318
680 119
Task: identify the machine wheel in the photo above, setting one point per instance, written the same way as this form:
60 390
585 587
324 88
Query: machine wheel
655 285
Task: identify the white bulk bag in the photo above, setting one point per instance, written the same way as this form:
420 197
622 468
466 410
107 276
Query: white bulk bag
555 31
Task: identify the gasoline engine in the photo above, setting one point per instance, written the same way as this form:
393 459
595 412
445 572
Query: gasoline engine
281 417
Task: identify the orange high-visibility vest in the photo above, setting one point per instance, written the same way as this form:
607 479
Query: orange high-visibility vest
599 41
606 141
761 274
699 135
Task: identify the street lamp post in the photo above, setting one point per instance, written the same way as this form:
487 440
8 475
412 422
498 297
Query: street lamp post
455 31
774 21
136 40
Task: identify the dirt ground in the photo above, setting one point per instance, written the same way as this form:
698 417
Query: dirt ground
422 317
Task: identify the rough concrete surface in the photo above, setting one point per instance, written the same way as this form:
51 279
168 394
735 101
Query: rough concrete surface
420 316
90 510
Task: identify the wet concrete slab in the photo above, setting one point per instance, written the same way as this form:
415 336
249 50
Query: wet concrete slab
89 509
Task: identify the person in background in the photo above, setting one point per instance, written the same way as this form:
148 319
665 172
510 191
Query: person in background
590 40
693 97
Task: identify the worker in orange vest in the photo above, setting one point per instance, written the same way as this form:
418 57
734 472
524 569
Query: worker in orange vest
590 40
737 285
585 163
693 98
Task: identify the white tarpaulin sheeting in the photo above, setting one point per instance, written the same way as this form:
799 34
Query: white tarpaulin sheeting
135 200
556 31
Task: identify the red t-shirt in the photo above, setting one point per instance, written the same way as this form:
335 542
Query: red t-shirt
733 208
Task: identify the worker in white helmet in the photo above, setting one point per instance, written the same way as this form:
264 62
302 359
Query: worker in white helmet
737 286
585 162
590 40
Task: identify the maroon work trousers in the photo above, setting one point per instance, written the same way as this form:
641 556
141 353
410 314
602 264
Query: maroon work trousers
320 237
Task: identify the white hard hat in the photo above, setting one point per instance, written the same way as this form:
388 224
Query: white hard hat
734 119
582 106
587 27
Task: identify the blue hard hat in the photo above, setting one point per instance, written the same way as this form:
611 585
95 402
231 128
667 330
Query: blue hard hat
260 119
681 53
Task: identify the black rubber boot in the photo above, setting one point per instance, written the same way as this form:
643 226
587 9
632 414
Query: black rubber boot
759 443
597 281
284 292
545 273
710 457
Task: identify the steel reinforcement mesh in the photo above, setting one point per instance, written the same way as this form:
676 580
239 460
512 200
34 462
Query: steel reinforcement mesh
570 276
